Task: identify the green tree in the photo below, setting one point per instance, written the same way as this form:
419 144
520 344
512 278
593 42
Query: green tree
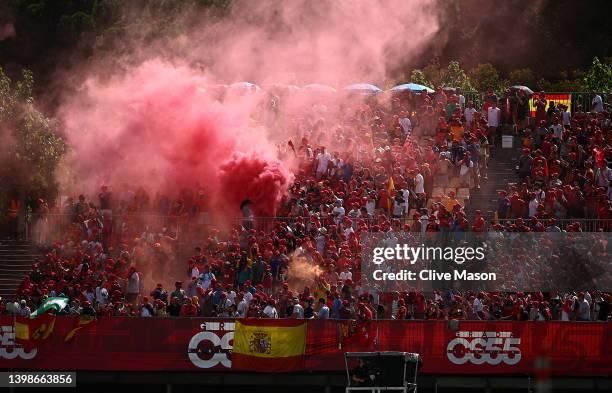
484 76
433 73
418 76
599 77
32 145
522 76
455 76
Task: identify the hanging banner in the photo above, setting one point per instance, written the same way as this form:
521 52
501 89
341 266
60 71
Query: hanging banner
562 98
183 344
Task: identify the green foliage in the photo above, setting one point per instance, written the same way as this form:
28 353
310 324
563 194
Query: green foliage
417 76
522 76
455 76
486 75
599 76
433 73
32 145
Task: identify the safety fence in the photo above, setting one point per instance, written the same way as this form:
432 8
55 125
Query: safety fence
185 344
124 228
582 99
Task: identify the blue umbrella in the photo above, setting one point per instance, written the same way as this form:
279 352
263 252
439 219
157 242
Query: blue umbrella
364 88
412 87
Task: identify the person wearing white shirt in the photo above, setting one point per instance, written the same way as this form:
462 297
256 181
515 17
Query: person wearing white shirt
557 129
231 296
145 312
370 205
348 230
322 162
406 125
270 311
101 296
493 120
566 118
337 164
23 310
298 310
338 212
597 103
224 305
399 204
206 278
406 196
493 114
584 308
242 308
469 114
324 310
195 272
419 183
345 275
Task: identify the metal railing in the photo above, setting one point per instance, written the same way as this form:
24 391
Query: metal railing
586 224
578 98
186 229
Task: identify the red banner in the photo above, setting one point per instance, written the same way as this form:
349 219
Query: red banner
476 348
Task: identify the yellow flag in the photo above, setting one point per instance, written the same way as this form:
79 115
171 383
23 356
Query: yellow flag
269 341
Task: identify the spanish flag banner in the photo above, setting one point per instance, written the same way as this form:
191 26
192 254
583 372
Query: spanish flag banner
275 345
563 98
30 332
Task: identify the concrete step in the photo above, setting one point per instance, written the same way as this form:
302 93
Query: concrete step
20 256
10 268
16 259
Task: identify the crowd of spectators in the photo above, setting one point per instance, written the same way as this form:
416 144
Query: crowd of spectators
369 166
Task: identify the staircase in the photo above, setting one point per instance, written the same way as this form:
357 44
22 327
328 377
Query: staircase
502 163
16 259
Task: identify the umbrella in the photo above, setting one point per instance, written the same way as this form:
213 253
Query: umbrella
525 89
412 87
364 88
245 85
320 88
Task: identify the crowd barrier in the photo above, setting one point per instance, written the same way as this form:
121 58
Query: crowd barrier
184 344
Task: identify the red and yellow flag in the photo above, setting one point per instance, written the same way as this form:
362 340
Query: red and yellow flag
31 331
82 323
563 98
275 345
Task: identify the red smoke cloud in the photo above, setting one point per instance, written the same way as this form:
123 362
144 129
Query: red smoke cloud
249 176
156 127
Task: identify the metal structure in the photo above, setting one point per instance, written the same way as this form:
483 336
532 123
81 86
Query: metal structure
398 364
